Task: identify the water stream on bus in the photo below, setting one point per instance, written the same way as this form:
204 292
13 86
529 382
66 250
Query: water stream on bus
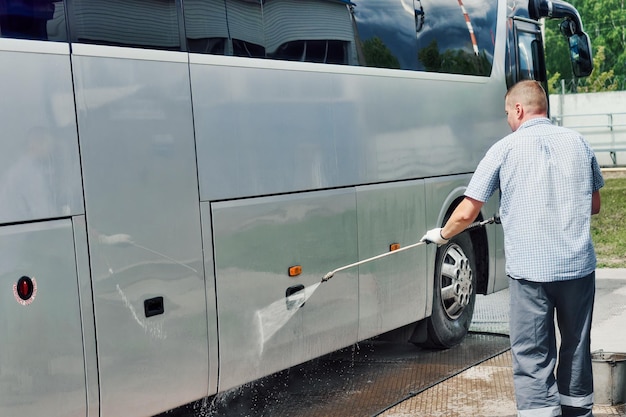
273 317
252 395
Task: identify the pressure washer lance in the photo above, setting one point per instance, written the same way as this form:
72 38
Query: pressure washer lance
495 219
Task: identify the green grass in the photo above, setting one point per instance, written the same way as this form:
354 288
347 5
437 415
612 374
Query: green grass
608 228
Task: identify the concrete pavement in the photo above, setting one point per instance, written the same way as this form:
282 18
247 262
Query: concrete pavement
608 330
486 390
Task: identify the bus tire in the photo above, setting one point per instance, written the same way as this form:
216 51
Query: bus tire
454 293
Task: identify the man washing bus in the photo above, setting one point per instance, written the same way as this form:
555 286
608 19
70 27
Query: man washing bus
549 181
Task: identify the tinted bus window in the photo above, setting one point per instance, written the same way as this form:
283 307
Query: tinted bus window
136 23
528 56
308 30
245 25
206 27
456 36
385 33
295 30
225 27
33 19
425 35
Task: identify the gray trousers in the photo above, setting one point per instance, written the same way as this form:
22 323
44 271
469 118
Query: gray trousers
538 391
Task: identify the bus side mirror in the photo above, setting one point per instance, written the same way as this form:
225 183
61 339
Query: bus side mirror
580 54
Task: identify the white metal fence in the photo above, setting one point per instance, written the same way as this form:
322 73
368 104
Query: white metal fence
600 117
606 132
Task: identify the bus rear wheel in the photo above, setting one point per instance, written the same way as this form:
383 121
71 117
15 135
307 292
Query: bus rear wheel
454 293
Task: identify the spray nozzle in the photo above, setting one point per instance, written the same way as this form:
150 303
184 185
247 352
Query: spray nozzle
328 276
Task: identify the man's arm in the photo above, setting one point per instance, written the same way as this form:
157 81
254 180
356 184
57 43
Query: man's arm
462 216
595 202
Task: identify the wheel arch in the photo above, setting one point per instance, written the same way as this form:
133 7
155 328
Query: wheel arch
478 237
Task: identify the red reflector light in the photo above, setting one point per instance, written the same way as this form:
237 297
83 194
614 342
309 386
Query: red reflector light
25 288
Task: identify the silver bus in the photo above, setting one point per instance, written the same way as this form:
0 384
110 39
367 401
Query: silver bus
174 174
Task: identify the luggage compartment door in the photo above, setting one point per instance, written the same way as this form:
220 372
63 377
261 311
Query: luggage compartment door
42 367
270 318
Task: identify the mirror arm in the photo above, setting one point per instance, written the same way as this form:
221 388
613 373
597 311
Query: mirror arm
556 9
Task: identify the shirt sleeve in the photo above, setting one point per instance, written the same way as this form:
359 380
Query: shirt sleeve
598 181
486 178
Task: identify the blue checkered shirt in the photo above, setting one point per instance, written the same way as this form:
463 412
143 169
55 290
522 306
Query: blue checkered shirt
546 175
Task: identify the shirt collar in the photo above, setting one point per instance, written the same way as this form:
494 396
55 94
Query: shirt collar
535 121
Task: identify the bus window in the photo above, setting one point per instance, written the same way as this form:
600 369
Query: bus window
134 23
206 26
36 20
323 33
525 61
383 44
529 53
455 36
426 35
322 51
245 26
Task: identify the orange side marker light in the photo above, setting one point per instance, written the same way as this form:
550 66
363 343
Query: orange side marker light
295 270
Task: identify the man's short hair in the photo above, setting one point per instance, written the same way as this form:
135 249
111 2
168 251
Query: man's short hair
530 94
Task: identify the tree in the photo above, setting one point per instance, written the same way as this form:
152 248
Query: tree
605 22
378 55
598 80
558 63
455 61
554 83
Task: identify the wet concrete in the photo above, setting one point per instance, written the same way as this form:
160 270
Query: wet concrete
363 380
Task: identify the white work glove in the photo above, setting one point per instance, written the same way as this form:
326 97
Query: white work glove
434 236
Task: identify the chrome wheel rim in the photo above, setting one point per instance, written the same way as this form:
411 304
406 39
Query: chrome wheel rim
456 281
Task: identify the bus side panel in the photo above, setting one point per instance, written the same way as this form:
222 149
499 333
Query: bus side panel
256 242
498 279
393 291
143 221
86 315
42 371
39 162
211 295
290 129
263 131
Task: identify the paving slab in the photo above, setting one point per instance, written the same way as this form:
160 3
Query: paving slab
486 390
